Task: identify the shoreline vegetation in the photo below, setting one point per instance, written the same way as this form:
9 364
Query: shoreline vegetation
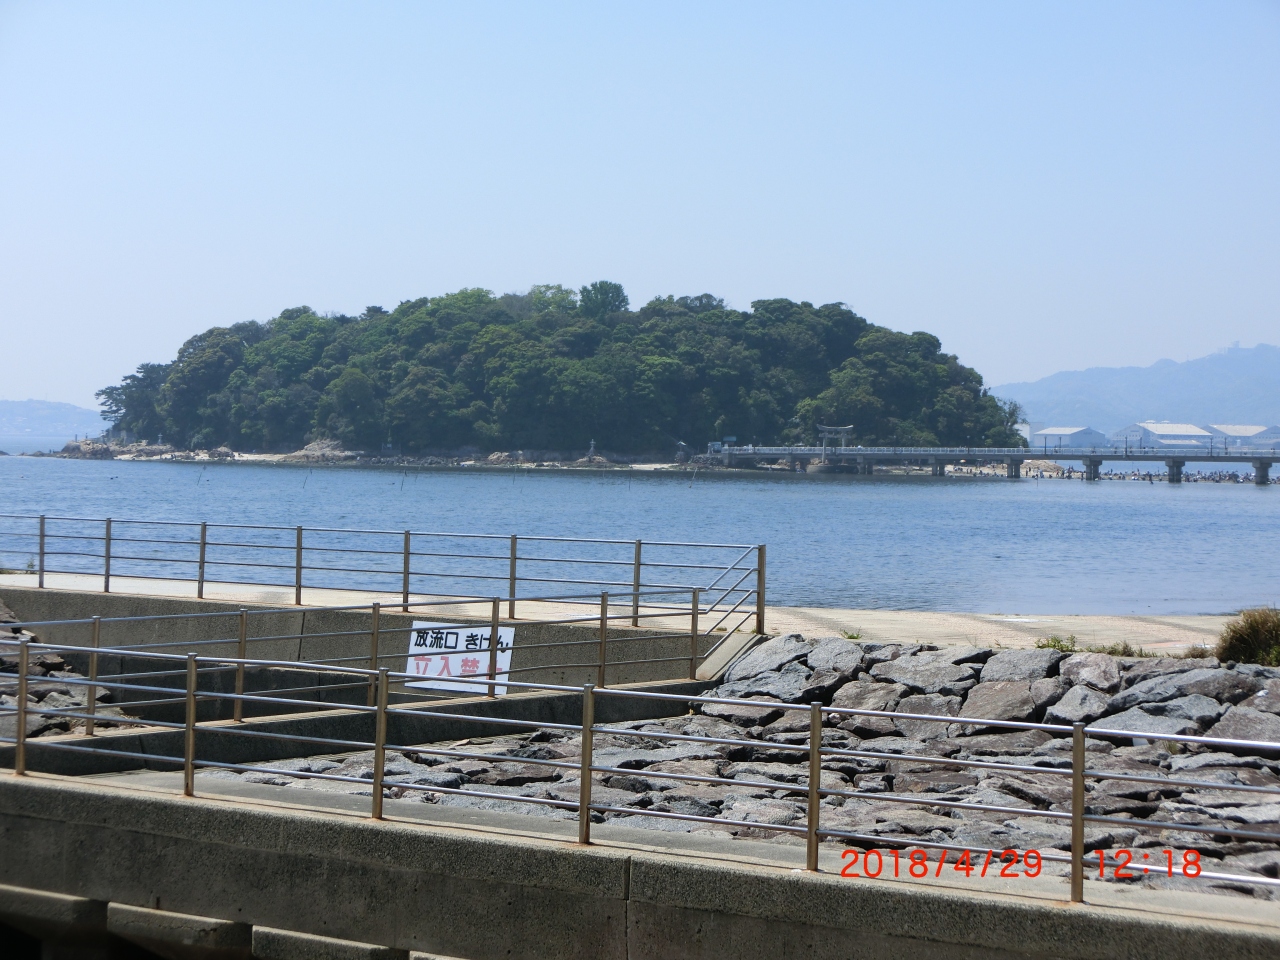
556 369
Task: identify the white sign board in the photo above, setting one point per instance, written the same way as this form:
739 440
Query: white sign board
442 652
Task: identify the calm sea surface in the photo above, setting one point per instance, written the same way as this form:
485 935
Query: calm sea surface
1034 546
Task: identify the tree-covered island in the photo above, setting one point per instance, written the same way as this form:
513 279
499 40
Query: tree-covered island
554 368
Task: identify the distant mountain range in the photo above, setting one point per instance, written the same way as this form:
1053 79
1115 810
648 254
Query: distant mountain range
1238 385
27 425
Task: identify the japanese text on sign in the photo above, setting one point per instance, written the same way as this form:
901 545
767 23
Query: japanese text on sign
444 655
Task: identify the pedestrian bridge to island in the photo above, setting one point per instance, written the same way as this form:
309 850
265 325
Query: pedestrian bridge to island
864 460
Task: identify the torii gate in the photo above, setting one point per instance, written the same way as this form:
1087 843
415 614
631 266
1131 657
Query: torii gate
831 433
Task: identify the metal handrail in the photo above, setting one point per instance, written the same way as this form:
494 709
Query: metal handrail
172 558
816 752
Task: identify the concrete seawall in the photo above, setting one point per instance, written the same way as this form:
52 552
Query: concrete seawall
477 891
542 653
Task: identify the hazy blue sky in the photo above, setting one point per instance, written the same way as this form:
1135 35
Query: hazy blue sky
1043 185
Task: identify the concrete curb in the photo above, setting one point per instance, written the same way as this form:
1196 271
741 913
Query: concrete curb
462 892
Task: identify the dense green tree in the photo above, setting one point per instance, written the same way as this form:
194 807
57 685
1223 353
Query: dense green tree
131 404
554 368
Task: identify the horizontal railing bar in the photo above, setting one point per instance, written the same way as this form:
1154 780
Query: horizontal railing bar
1170 782
174 543
718 821
947 804
131 754
776 786
1182 738
944 761
1186 827
415 533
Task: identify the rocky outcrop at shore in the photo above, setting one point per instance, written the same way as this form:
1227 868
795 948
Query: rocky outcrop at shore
898 752
332 452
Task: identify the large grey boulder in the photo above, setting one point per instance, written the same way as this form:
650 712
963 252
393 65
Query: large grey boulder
1000 700
741 715
1098 670
976 655
821 685
1001 744
836 654
35 724
869 695
788 684
1267 699
1185 715
1046 692
1139 721
1139 670
1259 671
1080 704
1242 723
873 653
933 704
1192 762
771 655
927 675
1022 665
1226 686
1200 709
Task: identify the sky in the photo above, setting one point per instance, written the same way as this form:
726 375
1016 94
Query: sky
1044 186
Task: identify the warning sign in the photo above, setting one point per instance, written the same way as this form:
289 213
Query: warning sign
441 653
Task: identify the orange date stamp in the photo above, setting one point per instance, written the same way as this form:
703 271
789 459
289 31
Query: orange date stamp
1010 864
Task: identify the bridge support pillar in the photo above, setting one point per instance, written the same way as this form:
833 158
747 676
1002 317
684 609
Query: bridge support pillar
938 469
1262 472
1175 470
1092 468
1013 469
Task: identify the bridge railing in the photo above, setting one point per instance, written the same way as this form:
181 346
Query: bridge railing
385 563
815 782
1073 453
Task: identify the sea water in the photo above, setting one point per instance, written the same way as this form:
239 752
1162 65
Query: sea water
920 543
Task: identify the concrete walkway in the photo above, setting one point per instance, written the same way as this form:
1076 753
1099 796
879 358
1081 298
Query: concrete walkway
1167 635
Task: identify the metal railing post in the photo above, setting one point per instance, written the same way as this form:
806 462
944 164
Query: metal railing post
242 651
815 783
604 635
106 559
91 706
40 583
189 742
380 740
204 542
1077 813
584 791
635 588
493 646
511 580
297 569
20 734
404 584
760 589
375 631
693 632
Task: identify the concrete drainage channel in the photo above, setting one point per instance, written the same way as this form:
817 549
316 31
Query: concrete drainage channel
191 838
